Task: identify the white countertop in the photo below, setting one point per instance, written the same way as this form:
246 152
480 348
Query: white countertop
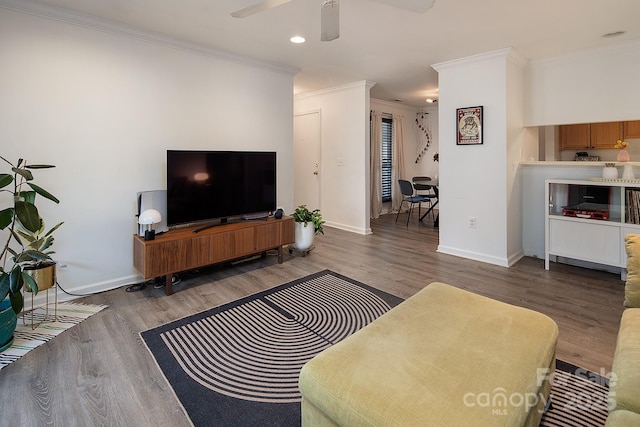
599 164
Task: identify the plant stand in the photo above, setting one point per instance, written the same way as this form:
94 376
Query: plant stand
45 318
302 252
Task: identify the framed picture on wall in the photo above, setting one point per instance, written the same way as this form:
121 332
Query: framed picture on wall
469 125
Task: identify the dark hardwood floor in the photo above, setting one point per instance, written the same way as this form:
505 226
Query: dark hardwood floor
100 372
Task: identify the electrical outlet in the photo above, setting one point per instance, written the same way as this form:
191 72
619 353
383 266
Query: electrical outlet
472 222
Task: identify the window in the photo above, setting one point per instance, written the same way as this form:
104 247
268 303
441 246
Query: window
387 157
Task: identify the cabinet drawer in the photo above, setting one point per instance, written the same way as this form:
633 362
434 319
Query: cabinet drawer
586 241
177 255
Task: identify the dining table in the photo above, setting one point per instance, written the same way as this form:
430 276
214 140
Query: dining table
424 185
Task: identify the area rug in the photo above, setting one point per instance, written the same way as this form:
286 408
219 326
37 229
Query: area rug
238 364
578 398
26 339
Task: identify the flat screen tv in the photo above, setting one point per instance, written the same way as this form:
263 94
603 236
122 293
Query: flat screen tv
219 185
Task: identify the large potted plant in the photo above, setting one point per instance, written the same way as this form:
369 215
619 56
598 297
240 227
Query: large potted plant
308 224
26 248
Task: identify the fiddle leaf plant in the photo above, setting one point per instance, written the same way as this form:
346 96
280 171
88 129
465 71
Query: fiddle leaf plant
303 214
25 245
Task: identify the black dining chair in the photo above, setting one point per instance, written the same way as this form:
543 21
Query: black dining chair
409 196
423 186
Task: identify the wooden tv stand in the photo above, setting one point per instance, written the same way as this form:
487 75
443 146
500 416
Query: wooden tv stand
182 249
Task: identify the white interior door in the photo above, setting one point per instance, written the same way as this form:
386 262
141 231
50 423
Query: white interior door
306 160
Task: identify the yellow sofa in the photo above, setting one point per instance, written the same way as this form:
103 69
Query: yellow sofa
624 391
444 357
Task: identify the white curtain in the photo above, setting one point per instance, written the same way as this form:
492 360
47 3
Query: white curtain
376 164
397 166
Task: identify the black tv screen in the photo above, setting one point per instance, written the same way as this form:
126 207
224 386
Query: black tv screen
208 185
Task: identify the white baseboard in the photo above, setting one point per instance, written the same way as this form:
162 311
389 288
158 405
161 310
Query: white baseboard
79 292
349 228
503 262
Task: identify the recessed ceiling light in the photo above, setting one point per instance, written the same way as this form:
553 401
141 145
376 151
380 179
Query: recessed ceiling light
613 34
297 39
431 101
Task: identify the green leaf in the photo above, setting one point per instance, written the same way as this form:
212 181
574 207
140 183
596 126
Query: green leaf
45 243
20 235
15 279
54 229
6 216
26 174
39 166
27 196
17 302
5 179
28 215
4 285
32 256
30 283
44 193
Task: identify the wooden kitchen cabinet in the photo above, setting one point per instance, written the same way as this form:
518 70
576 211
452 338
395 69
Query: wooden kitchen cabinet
575 137
605 135
596 136
632 129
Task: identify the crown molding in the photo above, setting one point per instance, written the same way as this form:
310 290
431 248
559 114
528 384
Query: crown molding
506 54
54 13
628 47
366 83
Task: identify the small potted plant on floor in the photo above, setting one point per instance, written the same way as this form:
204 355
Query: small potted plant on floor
26 248
308 224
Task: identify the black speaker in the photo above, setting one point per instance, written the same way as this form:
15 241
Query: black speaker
278 214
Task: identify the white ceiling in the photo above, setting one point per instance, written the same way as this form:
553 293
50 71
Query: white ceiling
393 47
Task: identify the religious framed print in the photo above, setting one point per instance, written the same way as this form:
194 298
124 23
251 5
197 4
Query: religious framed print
469 125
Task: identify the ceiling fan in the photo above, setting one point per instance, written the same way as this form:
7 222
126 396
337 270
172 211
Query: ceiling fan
330 14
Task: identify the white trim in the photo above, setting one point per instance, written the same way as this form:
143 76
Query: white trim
408 108
29 7
82 291
369 85
630 46
503 262
349 228
474 59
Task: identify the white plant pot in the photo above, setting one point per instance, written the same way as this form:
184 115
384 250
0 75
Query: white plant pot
304 235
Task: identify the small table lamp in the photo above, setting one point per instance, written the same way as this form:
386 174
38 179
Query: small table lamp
147 219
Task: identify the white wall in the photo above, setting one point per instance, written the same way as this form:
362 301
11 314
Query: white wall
597 85
480 181
344 164
104 108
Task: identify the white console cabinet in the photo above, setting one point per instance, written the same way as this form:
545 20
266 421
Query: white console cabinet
588 220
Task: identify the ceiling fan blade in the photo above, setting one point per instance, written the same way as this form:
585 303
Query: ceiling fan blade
329 20
418 6
258 7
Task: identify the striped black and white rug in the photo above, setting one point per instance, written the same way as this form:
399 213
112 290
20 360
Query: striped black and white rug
238 364
49 323
578 398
